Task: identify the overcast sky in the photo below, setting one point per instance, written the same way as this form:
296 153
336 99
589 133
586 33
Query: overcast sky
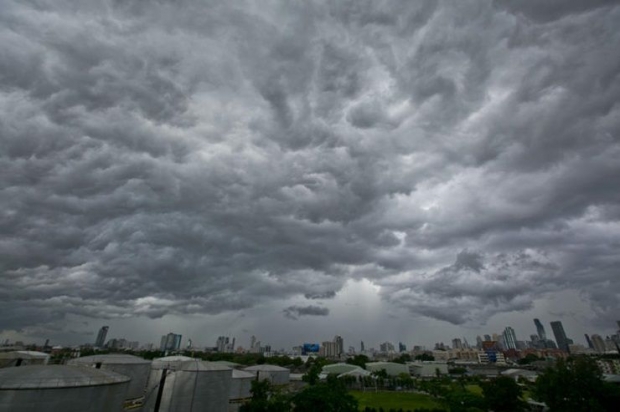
382 170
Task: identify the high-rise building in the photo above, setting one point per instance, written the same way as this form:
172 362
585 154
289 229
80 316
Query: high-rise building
509 338
598 343
402 347
329 349
589 341
362 349
386 347
169 342
560 335
457 344
222 344
465 343
540 329
339 345
103 333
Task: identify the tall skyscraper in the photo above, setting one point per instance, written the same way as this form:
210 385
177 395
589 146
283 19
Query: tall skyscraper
103 333
339 345
170 341
402 347
225 345
560 335
598 343
540 329
329 349
509 338
222 343
589 341
362 348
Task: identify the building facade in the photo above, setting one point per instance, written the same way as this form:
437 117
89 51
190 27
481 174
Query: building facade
103 333
560 336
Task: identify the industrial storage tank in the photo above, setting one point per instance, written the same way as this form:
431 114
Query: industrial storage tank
181 386
23 357
240 389
277 375
136 368
63 388
161 362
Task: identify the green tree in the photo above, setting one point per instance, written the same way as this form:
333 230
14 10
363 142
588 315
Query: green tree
405 357
266 399
503 394
575 385
465 401
330 396
425 357
380 374
312 374
359 360
529 358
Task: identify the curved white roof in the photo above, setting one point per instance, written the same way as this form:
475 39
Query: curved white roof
266 368
56 376
195 365
24 354
110 359
237 374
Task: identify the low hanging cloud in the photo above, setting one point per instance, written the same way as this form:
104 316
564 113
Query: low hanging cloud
476 287
321 295
294 312
192 157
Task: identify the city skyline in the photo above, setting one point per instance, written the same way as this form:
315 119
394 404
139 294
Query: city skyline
422 170
228 344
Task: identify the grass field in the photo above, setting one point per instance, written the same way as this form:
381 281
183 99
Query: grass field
476 389
387 400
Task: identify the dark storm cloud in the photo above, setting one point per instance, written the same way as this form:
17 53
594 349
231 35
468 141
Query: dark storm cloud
294 312
321 295
192 157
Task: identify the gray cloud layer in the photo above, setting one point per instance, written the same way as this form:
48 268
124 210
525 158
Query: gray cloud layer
294 312
194 157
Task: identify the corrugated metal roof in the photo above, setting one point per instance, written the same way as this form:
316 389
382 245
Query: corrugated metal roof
56 376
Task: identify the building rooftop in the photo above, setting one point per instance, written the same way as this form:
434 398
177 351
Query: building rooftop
265 368
56 376
111 359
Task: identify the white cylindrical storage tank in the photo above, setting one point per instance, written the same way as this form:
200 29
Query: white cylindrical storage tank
22 358
136 368
240 389
191 385
277 375
61 388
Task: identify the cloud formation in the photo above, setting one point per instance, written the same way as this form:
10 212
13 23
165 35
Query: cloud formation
294 312
191 157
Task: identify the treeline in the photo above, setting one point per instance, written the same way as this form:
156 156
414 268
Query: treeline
369 409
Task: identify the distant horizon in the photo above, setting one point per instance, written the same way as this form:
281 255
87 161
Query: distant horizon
367 343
